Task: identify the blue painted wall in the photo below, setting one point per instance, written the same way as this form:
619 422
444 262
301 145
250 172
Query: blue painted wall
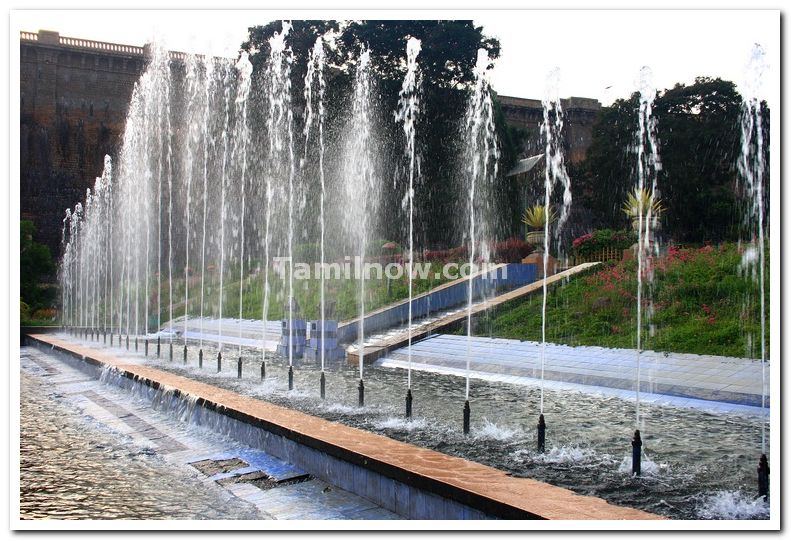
496 281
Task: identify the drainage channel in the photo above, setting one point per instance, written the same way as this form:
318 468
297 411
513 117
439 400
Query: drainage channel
92 450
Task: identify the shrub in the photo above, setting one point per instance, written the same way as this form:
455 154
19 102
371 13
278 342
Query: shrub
602 239
511 251
45 314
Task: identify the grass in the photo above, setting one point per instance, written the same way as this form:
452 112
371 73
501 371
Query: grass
702 303
307 293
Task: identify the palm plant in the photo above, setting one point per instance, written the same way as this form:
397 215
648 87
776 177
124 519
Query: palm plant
642 198
536 217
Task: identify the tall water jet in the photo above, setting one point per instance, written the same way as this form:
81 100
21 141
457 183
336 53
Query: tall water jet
482 154
407 114
226 74
361 181
751 166
207 107
193 90
554 173
280 129
646 197
244 69
315 75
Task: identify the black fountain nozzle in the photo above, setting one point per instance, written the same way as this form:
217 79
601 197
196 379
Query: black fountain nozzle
290 378
111 339
105 335
409 403
263 370
170 352
185 353
135 344
239 367
542 433
361 393
637 452
763 478
466 416
322 384
200 358
146 347
219 361
127 342
159 345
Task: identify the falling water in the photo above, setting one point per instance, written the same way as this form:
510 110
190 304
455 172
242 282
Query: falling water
245 69
554 173
408 111
648 166
752 174
315 72
483 154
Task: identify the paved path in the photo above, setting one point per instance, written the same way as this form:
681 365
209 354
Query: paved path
293 496
682 376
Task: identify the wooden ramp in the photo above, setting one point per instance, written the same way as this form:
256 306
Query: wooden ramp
373 352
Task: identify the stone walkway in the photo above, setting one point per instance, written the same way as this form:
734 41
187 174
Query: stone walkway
677 378
278 489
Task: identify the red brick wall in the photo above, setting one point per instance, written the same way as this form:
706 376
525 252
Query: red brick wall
73 104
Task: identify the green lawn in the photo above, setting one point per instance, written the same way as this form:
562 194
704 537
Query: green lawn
702 303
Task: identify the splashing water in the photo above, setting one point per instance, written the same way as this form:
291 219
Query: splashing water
732 505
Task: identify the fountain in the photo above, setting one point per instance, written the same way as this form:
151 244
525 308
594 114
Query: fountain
203 170
361 185
407 114
482 152
554 173
752 175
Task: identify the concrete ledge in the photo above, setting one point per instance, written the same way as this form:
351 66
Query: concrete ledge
409 480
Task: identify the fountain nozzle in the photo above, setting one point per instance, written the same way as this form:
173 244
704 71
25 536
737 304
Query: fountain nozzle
322 384
290 378
409 403
542 433
239 368
637 451
763 478
466 416
361 398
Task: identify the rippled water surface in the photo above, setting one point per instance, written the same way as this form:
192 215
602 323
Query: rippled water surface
70 468
697 464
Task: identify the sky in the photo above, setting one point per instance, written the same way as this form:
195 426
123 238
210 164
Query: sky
599 53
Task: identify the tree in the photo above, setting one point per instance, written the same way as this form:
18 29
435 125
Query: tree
699 138
35 265
447 58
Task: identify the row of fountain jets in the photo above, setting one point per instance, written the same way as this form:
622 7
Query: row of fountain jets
116 243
